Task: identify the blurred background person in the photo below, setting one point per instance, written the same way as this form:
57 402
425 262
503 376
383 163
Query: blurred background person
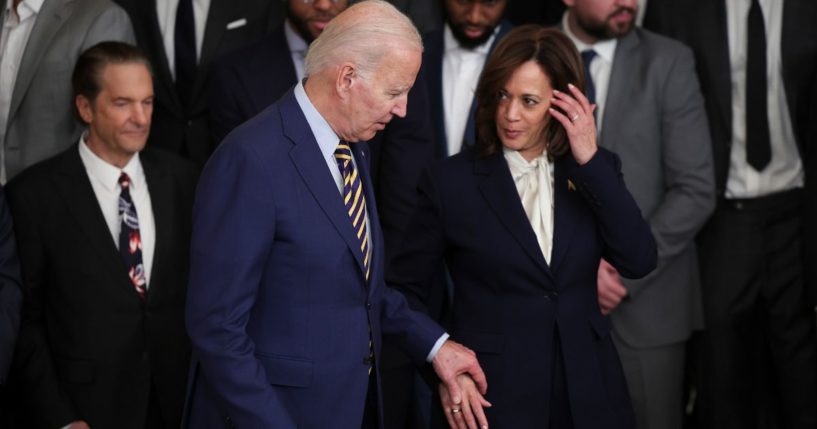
40 42
181 38
651 114
756 363
522 223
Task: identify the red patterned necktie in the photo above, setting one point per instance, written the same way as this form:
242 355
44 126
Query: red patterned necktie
130 242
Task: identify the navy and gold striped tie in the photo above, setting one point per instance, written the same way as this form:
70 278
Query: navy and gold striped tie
354 199
355 202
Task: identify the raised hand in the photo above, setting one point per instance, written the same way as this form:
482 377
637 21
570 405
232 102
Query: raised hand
576 116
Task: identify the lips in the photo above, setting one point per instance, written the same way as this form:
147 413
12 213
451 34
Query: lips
512 134
474 32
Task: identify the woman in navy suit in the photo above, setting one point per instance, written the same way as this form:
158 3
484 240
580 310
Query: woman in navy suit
521 224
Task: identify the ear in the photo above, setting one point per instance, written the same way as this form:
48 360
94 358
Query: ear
346 78
85 109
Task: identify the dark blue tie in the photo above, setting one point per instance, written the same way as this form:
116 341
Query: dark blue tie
184 39
130 241
758 145
590 89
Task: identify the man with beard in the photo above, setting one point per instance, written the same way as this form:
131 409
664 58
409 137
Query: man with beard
650 111
454 57
247 81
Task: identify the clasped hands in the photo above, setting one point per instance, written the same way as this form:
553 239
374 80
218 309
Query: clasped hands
463 386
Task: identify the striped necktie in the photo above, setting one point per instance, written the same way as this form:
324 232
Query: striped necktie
353 199
130 241
355 203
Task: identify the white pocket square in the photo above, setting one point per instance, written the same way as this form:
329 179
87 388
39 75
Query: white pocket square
237 24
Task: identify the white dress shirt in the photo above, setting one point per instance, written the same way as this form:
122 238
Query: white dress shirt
327 143
166 14
534 183
785 171
104 179
297 49
600 68
17 27
461 69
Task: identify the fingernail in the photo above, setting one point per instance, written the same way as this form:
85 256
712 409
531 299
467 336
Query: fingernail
555 91
570 85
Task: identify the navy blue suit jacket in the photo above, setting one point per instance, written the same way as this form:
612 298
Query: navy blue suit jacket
509 302
434 43
247 81
279 312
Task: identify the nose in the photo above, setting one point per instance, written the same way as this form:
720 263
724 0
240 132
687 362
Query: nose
322 4
400 107
511 111
140 114
474 15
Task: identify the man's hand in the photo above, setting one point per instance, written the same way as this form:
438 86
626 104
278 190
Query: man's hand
454 359
468 414
611 290
79 424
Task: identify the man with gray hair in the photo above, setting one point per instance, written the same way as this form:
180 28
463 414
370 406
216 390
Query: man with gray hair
287 304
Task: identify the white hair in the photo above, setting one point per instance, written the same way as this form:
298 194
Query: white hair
362 34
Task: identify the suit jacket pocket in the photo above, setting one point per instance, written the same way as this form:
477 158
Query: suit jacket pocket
601 324
481 342
78 371
286 370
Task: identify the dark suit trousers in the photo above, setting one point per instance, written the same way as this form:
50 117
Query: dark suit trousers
756 362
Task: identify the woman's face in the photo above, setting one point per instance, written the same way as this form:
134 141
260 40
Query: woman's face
522 111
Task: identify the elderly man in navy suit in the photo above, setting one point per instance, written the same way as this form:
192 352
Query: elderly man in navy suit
287 305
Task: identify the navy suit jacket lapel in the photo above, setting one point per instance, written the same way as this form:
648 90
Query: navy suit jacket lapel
500 193
564 204
309 162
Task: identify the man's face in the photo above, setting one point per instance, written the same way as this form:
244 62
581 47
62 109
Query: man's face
604 19
374 102
119 118
473 21
309 18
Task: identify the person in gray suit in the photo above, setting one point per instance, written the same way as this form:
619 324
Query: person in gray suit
650 112
40 43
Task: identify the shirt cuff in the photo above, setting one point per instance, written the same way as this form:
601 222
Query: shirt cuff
437 347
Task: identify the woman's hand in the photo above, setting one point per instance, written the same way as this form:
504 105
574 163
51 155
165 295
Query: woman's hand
576 116
468 414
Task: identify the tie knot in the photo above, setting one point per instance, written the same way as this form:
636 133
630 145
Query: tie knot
343 152
588 55
124 180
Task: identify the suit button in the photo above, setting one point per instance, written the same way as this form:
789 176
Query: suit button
368 306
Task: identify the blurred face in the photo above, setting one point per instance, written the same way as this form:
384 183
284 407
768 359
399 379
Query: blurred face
372 103
119 118
601 19
522 111
473 21
310 17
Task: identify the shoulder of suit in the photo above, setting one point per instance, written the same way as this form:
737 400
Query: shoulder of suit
40 174
174 164
249 54
660 45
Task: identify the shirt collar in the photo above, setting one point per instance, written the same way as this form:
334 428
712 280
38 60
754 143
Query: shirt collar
450 43
108 174
31 6
323 132
605 49
295 42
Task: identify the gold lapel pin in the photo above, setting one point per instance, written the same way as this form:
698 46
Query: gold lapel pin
570 185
